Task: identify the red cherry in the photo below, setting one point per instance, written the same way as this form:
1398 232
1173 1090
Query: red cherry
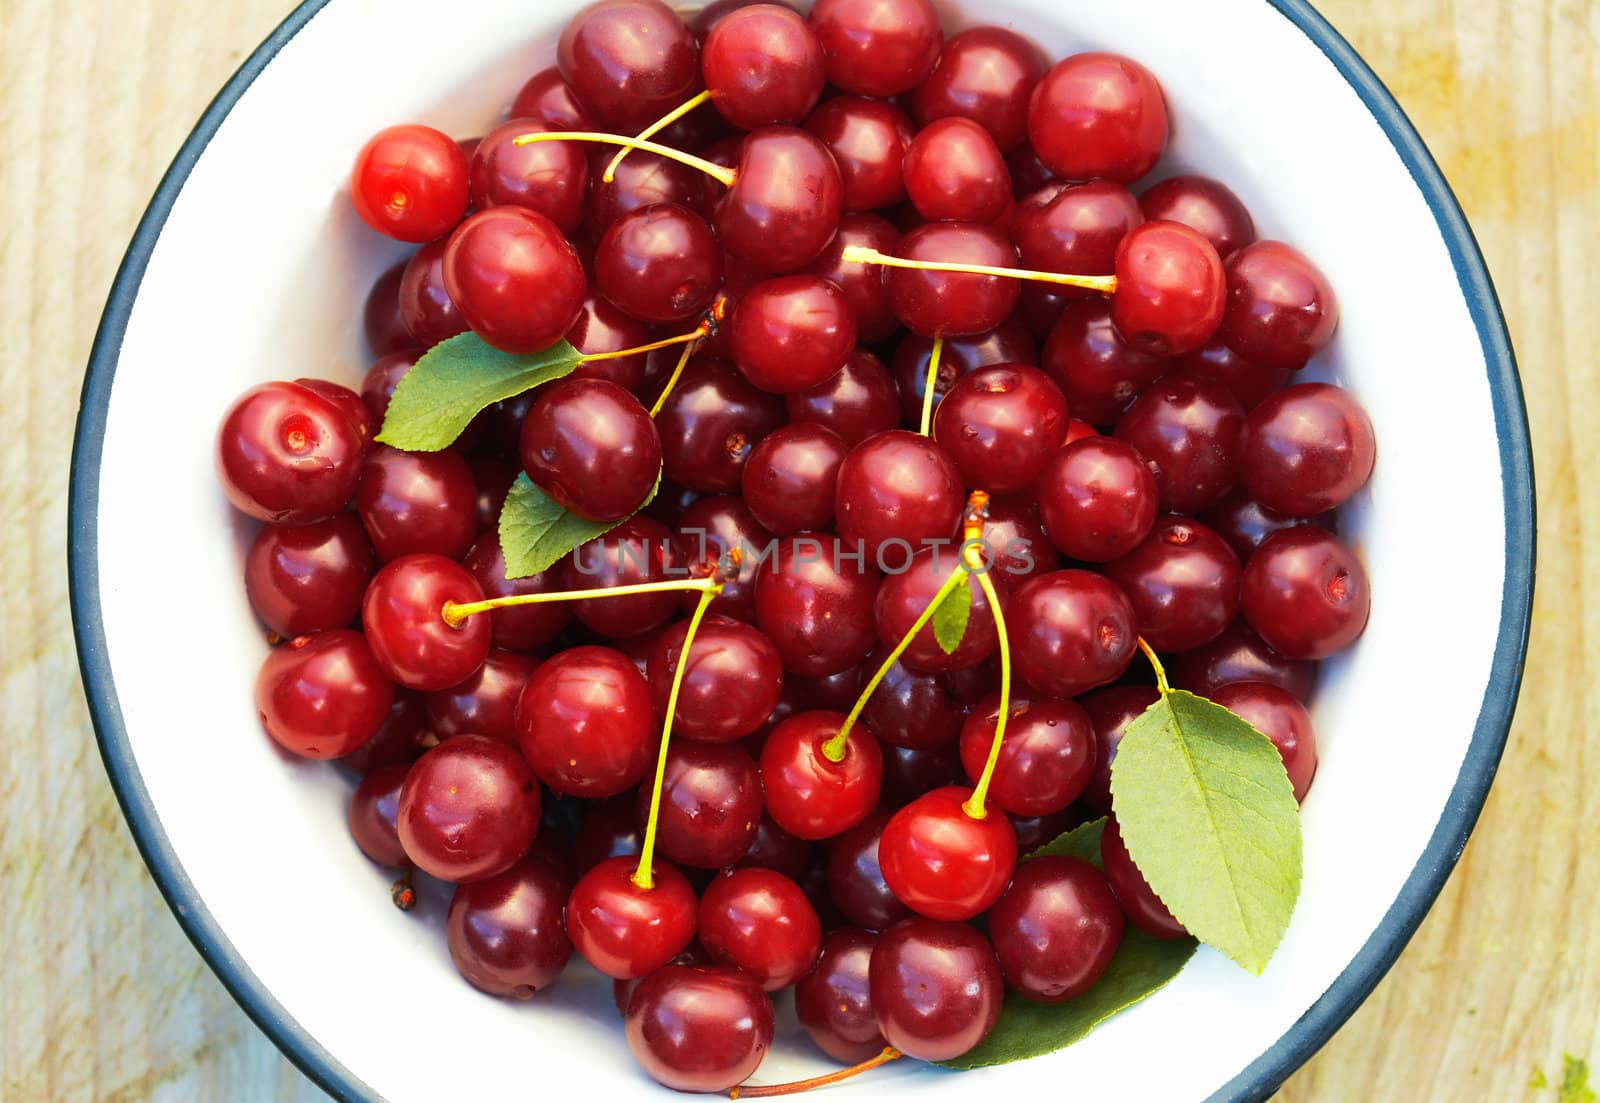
637 551
374 808
523 627
855 880
426 308
414 502
904 596
785 202
1306 593
1307 449
506 933
709 424
1142 906
550 100
550 178
628 61
759 921
1276 714
1250 382
832 1002
952 304
602 327
1281 309
286 454
935 988
943 863
857 402
1007 343
1001 424
1097 498
592 448
790 478
1075 228
862 284
385 332
897 488
403 617
699 1030
808 794
626 931
1188 431
877 47
791 333
659 263
815 606
1183 583
730 686
469 809
1046 757
1098 115
585 724
1205 205
410 182
1100 373
1070 632
302 578
868 139
1170 288
1056 929
954 172
985 74
762 65
515 278
486 702
1239 655
323 695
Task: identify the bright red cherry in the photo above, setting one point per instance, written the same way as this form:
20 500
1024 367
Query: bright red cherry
659 263
985 74
486 702
1183 583
1281 309
628 61
1001 424
1306 593
1070 632
1239 655
404 621
808 794
1046 757
791 477
791 333
1203 204
833 1003
506 933
551 178
303 578
287 454
952 304
868 139
897 487
516 280
942 862
410 182
592 448
1098 115
731 685
1097 498
625 931
877 47
1142 906
1100 373
784 205
585 724
759 921
1170 288
699 1030
1188 431
1276 714
954 172
1055 929
413 502
426 308
469 809
762 65
1307 449
374 808
935 988
816 605
323 695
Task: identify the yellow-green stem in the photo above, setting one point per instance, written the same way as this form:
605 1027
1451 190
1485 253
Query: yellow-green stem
642 874
932 384
862 254
889 1053
456 613
833 749
1155 664
717 172
672 380
655 128
665 343
974 805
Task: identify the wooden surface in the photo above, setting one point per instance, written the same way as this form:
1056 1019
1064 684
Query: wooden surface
102 998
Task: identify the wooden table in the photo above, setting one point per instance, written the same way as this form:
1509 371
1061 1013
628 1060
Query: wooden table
102 998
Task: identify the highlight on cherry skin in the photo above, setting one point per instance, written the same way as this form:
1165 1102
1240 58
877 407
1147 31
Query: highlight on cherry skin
838 323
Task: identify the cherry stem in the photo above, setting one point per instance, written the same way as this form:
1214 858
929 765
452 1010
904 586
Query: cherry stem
862 254
761 1090
401 892
689 339
644 874
725 176
655 128
1155 664
456 613
672 380
928 389
974 804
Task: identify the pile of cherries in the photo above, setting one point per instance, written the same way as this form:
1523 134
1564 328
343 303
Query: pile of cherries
808 224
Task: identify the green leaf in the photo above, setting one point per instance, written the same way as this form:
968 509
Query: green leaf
456 380
1082 842
1208 815
535 532
1141 966
950 618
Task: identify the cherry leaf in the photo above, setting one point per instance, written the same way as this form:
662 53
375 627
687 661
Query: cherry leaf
535 532
950 618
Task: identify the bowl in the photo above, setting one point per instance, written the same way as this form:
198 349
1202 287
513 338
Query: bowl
250 265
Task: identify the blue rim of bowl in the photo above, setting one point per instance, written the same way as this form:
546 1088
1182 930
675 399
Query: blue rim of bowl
1259 1079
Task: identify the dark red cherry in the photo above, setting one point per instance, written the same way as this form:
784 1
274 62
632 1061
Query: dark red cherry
1249 381
763 66
1111 710
759 922
1202 204
1276 714
377 386
1281 309
952 304
1055 929
1183 583
602 327
493 480
516 280
1034 832
857 402
1098 115
287 454
386 333
911 772
400 739
1097 498
585 725
855 880
699 1030
912 709
731 684
523 627
410 182
1306 593
1099 372
710 804
868 139
402 614
637 551
791 333
935 988
1239 655
659 263
897 488
610 829
550 100
815 604
908 590
1307 449
323 695
628 61
791 476
551 178
707 531
942 862
1008 343
1000 424
643 179
1170 288
1018 548
1142 906
374 807
469 809
486 702
414 502
303 578
862 284
775 849
626 931
1188 431
506 933
985 74
808 794
1070 632
592 448
1076 228
784 205
1028 173
954 172
833 1003
1046 756
709 424
426 308
877 47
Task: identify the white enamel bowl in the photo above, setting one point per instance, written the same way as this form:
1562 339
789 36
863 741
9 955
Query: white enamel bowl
250 266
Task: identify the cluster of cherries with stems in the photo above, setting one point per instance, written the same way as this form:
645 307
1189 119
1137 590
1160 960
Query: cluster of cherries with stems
497 233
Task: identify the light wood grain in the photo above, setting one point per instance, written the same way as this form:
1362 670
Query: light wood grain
101 997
